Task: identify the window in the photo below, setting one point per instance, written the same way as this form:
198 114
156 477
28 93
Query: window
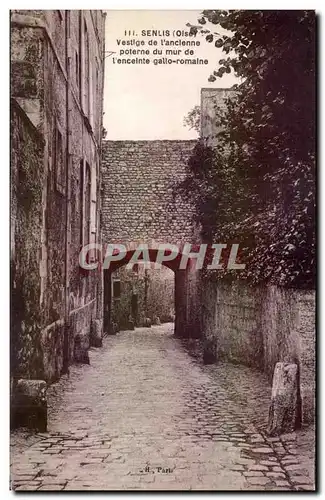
58 160
87 204
68 21
80 56
95 97
98 20
116 288
77 69
86 70
87 194
81 201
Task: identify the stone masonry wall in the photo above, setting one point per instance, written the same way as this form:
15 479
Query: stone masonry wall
161 300
50 83
139 178
213 103
232 321
288 323
259 326
26 214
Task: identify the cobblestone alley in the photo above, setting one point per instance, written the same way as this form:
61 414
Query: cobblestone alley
146 414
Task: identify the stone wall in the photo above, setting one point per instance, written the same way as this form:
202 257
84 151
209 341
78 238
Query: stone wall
161 299
213 104
27 175
139 198
259 326
231 315
289 323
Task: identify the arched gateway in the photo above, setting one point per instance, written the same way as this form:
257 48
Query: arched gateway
141 204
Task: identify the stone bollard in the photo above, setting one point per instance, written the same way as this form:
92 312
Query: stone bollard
113 329
81 346
96 336
147 323
156 320
283 407
209 352
29 405
130 325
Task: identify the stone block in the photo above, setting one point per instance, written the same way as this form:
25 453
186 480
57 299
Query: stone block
81 347
283 407
147 322
96 336
29 405
209 352
113 329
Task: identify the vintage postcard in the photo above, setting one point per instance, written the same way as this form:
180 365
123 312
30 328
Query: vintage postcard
163 266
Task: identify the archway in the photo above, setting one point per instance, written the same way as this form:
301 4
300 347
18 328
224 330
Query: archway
186 291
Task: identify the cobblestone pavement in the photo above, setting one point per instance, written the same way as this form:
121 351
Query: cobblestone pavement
146 415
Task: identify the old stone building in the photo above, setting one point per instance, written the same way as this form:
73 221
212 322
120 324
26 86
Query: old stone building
57 71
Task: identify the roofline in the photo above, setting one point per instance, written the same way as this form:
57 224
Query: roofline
216 88
151 140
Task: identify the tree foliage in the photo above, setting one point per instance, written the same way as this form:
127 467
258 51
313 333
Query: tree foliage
258 185
193 118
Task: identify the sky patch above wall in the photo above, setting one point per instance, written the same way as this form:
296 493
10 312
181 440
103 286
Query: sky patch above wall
150 101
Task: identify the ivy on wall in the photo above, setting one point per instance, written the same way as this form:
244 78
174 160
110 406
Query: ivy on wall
257 187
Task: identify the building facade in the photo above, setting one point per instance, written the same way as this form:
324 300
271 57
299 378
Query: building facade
57 75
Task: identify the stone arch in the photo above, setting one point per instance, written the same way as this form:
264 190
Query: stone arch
187 320
142 202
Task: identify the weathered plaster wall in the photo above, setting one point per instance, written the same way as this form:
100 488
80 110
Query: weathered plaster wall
259 326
